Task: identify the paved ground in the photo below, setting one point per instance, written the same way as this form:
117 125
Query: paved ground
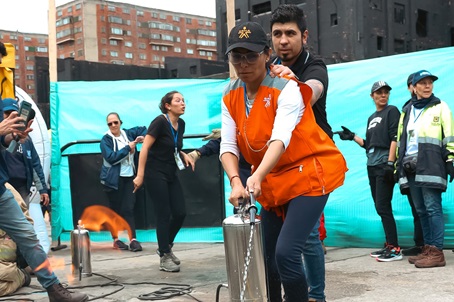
351 275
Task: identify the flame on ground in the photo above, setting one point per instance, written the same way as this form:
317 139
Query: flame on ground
98 217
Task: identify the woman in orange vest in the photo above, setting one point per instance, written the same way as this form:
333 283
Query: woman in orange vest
295 164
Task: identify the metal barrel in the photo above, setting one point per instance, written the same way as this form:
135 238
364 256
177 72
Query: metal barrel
80 252
237 232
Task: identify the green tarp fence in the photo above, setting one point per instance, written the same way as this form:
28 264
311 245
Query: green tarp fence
78 111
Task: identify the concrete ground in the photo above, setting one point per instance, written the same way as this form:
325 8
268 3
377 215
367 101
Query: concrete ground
351 275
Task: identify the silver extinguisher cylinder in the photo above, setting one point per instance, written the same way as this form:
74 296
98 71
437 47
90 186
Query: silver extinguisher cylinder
237 230
80 252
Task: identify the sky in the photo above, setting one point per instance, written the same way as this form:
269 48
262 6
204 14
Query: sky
30 16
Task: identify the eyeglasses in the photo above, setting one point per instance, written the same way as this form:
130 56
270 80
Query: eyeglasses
112 123
250 57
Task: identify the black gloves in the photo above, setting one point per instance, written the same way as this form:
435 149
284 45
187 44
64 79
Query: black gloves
450 170
389 171
345 134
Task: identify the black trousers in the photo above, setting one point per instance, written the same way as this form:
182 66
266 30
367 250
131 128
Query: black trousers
169 207
382 193
122 201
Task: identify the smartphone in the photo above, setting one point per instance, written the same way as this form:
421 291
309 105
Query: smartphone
27 113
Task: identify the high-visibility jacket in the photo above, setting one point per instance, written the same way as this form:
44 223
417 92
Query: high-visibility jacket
435 145
311 164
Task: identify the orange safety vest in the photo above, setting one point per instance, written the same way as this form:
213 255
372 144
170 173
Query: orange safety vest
311 165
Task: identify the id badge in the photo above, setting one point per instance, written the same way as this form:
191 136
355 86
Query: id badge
178 160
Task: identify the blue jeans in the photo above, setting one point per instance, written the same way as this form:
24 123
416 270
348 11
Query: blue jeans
428 205
14 223
314 264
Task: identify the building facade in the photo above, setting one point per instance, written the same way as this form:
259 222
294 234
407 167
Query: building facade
350 30
120 33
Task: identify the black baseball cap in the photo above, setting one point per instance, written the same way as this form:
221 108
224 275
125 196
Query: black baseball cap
410 79
249 35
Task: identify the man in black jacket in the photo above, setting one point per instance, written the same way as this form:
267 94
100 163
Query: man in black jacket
289 36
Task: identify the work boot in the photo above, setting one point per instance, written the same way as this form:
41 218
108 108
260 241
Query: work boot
57 293
425 251
435 258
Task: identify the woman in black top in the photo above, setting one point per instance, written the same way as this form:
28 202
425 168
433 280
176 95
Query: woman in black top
380 145
159 160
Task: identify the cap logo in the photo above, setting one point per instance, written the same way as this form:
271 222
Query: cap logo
244 33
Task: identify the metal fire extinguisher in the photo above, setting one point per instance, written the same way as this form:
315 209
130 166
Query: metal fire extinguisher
80 252
244 255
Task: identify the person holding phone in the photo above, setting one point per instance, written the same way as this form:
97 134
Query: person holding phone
118 148
24 164
159 160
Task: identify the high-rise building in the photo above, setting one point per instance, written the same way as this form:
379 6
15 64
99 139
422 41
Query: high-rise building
351 30
120 33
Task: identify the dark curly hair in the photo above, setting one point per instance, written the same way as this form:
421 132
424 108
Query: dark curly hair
289 13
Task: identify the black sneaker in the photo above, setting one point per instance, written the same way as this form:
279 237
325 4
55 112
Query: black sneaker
135 246
379 252
120 245
392 254
412 251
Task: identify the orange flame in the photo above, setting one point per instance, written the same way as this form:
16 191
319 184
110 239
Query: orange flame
45 265
99 217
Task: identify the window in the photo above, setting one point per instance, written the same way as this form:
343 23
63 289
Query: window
399 46
164 48
139 13
126 10
78 6
154 15
79 41
114 53
202 53
116 31
333 19
177 49
206 32
30 86
379 43
162 16
71 54
142 46
128 55
188 21
176 18
128 44
27 38
155 47
70 9
208 23
111 8
103 18
209 53
104 52
399 13
113 42
421 23
103 41
190 51
261 8
201 22
30 77
114 19
155 58
193 69
13 37
27 58
59 13
206 43
41 49
40 40
174 73
80 53
142 56
29 67
167 38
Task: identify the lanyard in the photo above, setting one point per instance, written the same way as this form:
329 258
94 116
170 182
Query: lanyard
174 133
415 118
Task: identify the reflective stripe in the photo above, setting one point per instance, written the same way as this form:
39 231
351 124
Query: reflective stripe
403 181
398 144
429 140
431 179
448 139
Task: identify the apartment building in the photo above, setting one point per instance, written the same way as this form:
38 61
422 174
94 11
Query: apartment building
351 30
120 33
27 46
